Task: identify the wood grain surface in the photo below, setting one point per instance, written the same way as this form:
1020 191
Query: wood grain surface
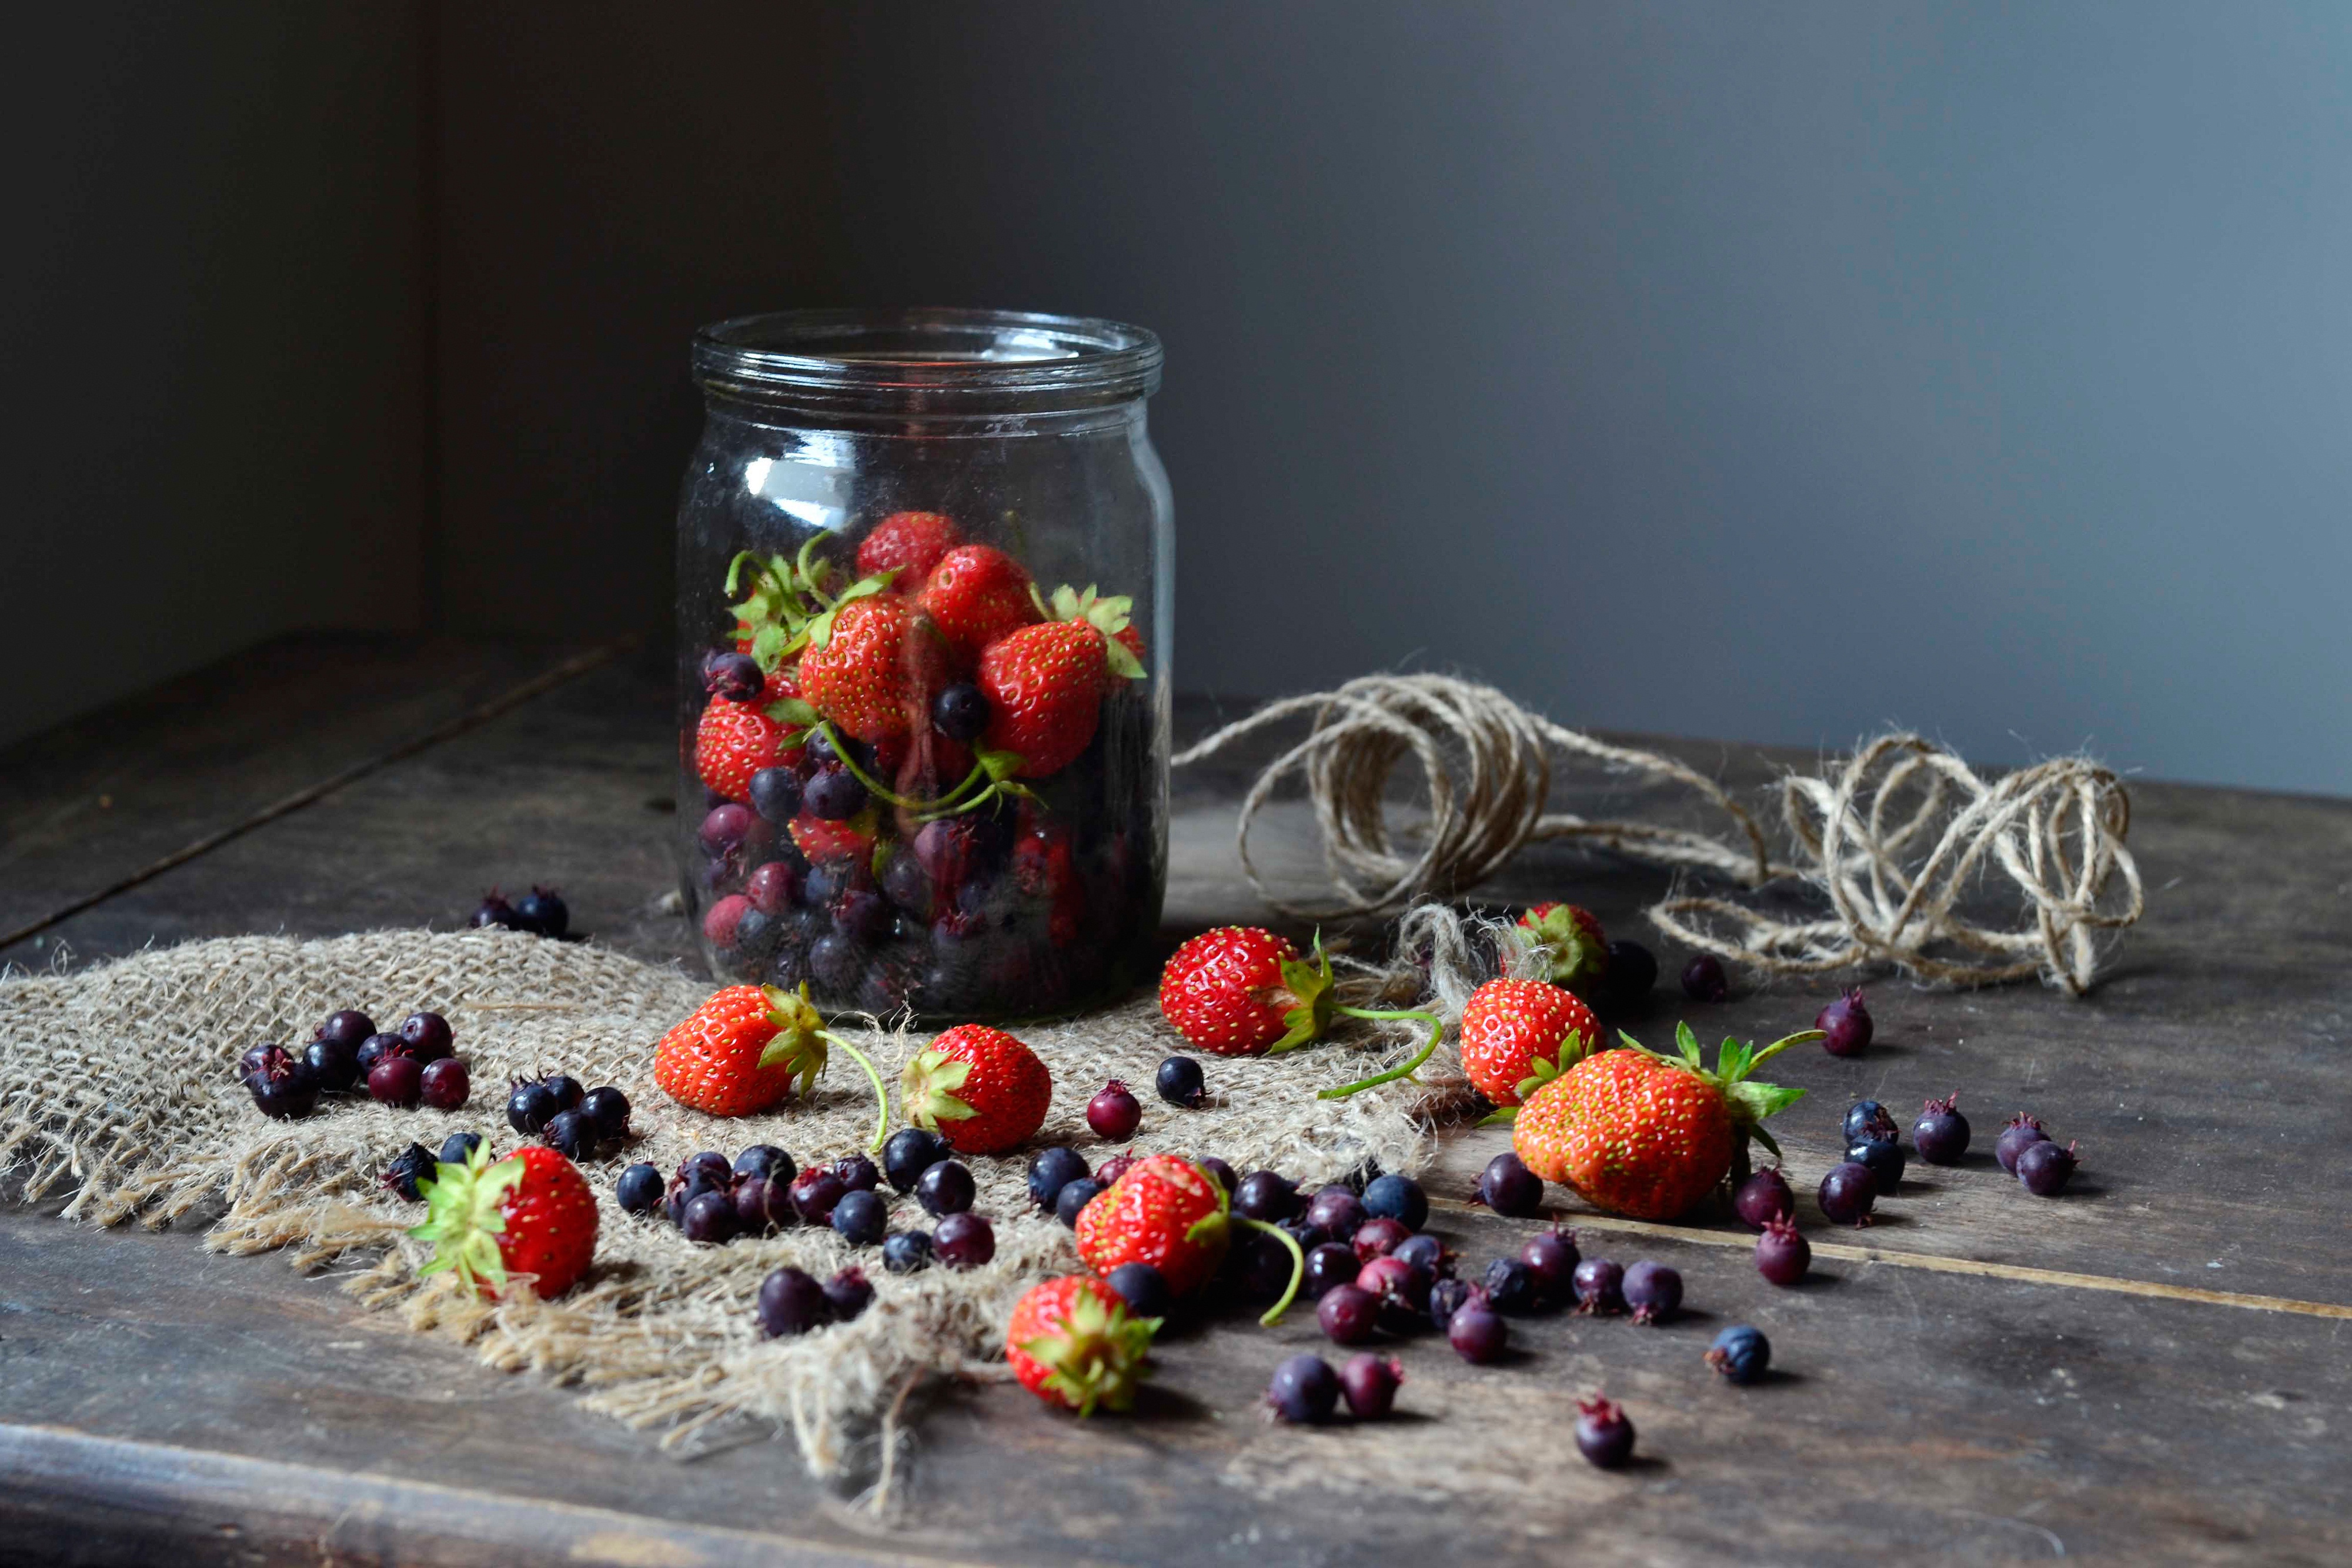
1980 1376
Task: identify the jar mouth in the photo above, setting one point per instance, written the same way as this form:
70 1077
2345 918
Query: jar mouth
928 360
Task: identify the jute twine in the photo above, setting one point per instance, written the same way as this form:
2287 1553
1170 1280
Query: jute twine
118 1080
1896 837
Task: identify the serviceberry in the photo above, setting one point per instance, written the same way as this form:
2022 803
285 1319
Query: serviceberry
1073 1197
1114 1113
1741 1353
1762 1199
792 1302
1845 1025
1654 1291
1603 1435
639 1188
1510 1188
946 1188
1782 1256
1941 1133
860 1217
1180 1083
1051 1170
1369 1383
965 1240
1304 1389
1399 1198
908 1252
1704 979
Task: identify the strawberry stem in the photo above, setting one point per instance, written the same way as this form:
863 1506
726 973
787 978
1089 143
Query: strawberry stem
1507 1116
833 738
881 1095
1802 1037
1298 1268
1403 1070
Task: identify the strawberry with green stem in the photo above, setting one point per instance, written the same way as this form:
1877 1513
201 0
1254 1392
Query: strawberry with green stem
1518 1035
1166 1211
980 1088
530 1214
1240 991
740 1053
1071 1342
1565 946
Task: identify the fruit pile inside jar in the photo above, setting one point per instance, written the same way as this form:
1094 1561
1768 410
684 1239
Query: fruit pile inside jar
928 781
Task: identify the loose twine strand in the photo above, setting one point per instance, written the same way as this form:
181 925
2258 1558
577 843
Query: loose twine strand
1894 836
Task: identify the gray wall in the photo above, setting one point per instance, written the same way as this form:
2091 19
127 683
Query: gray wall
210 348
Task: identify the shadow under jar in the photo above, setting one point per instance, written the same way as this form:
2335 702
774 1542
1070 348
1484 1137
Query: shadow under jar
924 628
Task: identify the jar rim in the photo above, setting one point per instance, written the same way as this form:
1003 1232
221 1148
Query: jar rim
926 359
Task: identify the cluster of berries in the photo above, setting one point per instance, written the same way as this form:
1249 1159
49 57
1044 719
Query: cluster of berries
414 1063
2028 1153
582 1123
925 780
540 913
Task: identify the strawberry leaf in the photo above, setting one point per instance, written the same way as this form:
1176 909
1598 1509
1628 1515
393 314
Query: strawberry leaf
926 1089
1309 985
1687 1043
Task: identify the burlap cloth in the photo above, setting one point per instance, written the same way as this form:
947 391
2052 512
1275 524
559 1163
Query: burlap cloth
119 1081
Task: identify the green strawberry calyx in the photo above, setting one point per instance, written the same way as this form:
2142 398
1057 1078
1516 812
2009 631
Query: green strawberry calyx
1562 939
801 1043
1098 1357
465 1215
926 1089
1306 988
1749 1101
1107 615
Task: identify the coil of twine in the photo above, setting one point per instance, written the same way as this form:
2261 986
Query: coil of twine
1895 837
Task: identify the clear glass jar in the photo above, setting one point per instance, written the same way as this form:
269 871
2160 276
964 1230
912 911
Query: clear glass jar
924 624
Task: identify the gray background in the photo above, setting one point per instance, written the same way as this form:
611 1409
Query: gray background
1766 372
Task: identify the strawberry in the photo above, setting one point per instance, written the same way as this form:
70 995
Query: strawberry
910 543
1124 657
823 840
977 1087
1243 991
1565 943
1518 1035
530 1215
1647 1136
735 740
1071 1343
975 595
1166 1211
1044 686
738 1052
868 666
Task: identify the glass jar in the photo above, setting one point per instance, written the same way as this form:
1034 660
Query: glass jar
924 624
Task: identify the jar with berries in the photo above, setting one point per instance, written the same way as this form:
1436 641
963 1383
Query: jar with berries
924 597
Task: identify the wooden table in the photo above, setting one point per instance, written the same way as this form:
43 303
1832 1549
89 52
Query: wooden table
2000 1377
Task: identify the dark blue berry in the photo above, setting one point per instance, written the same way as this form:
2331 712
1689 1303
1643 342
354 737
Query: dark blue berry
910 1152
1073 1197
1336 1212
964 1240
1051 1170
1848 1193
908 1252
945 1189
1329 1266
736 677
860 1217
458 1147
1399 1198
858 1173
1181 1082
835 962
1632 974
960 712
334 1063
776 794
1510 1286
1740 1352
1599 1286
849 1293
862 913
372 1052
412 1164
493 913
1654 1291
542 913
1425 1252
1447 1297
792 1302
566 1090
572 1134
1143 1288
905 885
1266 1195
763 1204
834 793
1221 1172
1704 979
639 1188
608 1108
709 1217
1510 1188
1882 1157
1304 1389
711 1162
1867 1119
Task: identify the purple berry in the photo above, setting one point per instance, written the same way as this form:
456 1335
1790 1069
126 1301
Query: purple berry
1704 979
858 1173
1867 1119
372 1050
1781 1255
734 677
832 793
1143 1288
1447 1297
493 913
458 1147
709 1217
762 1204
1603 1435
1763 1197
1848 1194
2022 1133
1336 1212
848 1293
1401 1290
1330 1266
727 828
1941 1133
1510 1286
1180 1083
1551 1258
1051 1170
907 1253
763 1160
814 1194
1510 1188
1304 1389
2045 1168
1632 974
347 1027
910 1152
1114 1113
1113 1168
1476 1332
1348 1313
396 1080
1425 1252
445 1085
1399 1198
1599 1285
1369 1383
1845 1023
542 913
571 1134
1074 1198
609 1109
712 1165
835 962
792 1302
332 1062
964 1241
960 711
945 1187
1654 1291
427 1037
639 1188
1378 1237
1265 1196
1221 1172
412 1164
566 1090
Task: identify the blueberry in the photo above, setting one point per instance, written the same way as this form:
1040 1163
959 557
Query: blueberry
1845 1023
1847 1194
1180 1083
1654 1291
904 883
427 1037
1073 1197
566 1090
1336 1212
858 1173
1632 974
608 1108
762 1204
814 1194
1221 1172
910 1152
1305 1390
776 794
1883 1159
542 913
1426 1252
1599 1285
945 1189
1051 1170
411 1166
1508 1188
1603 1435
572 1134
711 1162
334 1063
1399 1198
863 915
1477 1334
908 1252
1510 1286
1941 1133
1329 1266
709 1217
763 1160
735 677
639 1187
1704 981
1369 1383
792 1302
1143 1288
1740 1352
834 793
1348 1314
960 712
964 1240
394 1080
1447 1297
458 1147
849 1293
835 963
860 1217
2044 1168
1867 1119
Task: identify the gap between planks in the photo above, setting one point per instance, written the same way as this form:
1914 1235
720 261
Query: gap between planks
1936 1263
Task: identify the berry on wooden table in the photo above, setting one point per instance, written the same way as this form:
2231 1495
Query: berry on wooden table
2044 1168
1268 1195
1305 1390
1599 1286
1704 979
1078 1343
1632 975
1330 1266
1476 1332
2022 1133
1848 1193
1782 1256
1867 1119
1845 1025
1369 1383
1654 1291
1762 1199
1941 1133
1882 1157
1510 1188
1143 1288
1603 1435
1741 1353
1551 1258
1396 1197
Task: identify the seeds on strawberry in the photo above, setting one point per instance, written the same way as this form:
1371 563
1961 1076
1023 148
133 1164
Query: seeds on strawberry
1518 1035
740 1053
975 595
1242 991
978 1087
1044 686
546 1218
909 543
1076 1343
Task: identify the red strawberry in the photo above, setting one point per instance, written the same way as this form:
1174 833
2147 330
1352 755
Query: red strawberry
1517 1034
869 670
735 740
1072 1344
977 1087
1568 946
822 839
1043 868
738 1052
530 1214
975 595
1044 686
1124 660
1242 991
911 543
1165 1211
1647 1136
